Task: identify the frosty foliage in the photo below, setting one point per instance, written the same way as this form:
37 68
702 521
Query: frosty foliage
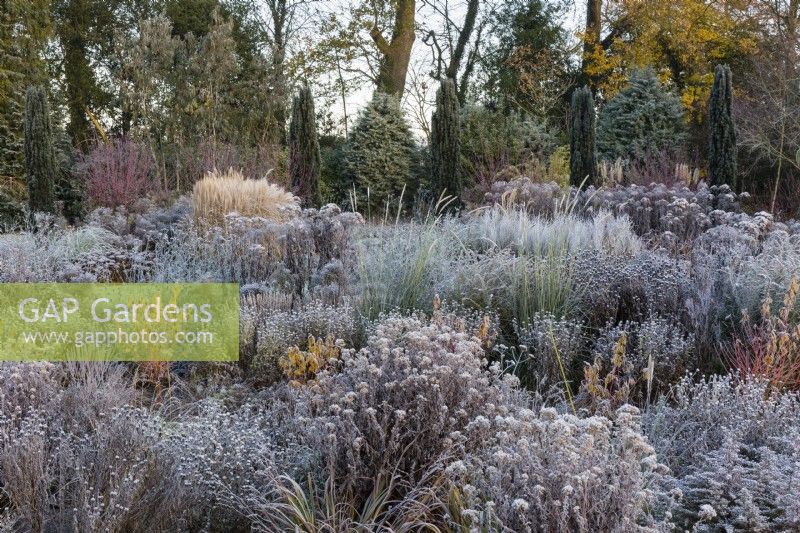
474 372
310 252
269 331
544 341
53 253
657 342
74 455
553 472
680 212
230 472
732 446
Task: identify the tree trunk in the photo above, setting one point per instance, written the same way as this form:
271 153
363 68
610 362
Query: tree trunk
780 163
280 12
78 74
397 53
463 40
791 19
591 39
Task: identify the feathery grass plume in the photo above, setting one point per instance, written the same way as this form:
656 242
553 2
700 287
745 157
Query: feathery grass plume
611 173
219 194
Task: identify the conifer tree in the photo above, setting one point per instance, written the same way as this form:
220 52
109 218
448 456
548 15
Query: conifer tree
25 30
445 126
583 157
40 163
722 139
642 119
380 154
304 156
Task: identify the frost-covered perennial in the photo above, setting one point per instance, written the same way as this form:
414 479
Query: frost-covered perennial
552 472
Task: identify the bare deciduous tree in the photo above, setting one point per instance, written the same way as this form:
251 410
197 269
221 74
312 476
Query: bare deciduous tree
453 52
396 52
769 109
281 23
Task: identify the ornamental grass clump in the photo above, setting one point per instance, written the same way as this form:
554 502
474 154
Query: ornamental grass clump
770 348
221 193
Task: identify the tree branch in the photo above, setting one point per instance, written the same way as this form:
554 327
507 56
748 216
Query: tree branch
380 41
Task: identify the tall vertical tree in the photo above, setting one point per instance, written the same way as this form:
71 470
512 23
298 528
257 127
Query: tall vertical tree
24 30
591 40
304 156
74 21
583 156
396 53
40 160
445 126
722 140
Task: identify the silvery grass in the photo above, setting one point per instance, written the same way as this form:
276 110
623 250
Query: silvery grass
51 254
503 259
653 209
534 236
754 277
404 266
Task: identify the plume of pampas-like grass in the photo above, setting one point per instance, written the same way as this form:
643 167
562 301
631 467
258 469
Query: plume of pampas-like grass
219 194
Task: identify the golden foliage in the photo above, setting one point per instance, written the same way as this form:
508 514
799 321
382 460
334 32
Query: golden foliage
683 39
219 194
607 392
302 366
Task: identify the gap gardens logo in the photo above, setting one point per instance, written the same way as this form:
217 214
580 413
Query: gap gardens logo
119 322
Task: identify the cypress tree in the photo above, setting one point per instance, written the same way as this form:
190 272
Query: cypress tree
445 145
40 160
304 156
722 139
583 157
24 34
